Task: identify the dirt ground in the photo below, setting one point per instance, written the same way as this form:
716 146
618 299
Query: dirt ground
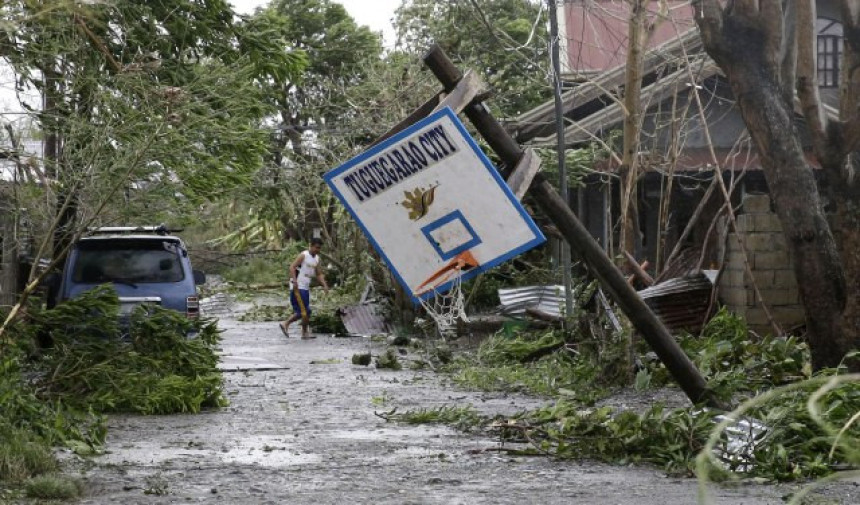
301 429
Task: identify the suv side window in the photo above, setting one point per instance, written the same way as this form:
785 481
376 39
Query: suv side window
140 261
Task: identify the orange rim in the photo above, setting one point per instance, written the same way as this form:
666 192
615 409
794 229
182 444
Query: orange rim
461 263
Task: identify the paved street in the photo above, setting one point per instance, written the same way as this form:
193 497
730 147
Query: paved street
301 429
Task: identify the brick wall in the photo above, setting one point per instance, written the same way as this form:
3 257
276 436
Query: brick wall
770 263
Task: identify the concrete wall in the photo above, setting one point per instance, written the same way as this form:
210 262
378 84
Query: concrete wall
770 263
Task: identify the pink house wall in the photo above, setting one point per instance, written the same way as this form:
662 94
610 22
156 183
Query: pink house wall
596 31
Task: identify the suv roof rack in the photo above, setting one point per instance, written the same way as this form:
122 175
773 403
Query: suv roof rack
161 229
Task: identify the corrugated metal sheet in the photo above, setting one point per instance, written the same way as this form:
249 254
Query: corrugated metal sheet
364 319
682 303
547 299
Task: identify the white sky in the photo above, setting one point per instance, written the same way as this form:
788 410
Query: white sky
375 14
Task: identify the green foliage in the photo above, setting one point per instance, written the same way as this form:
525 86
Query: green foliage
462 417
152 101
502 350
160 371
811 430
289 195
53 487
670 438
267 313
530 363
388 360
23 455
327 321
503 40
30 424
810 427
578 163
807 435
575 365
739 363
556 374
263 269
362 359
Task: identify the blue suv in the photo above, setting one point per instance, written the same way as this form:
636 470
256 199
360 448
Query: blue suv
145 265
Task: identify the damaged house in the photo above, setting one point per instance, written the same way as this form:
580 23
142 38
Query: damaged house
693 151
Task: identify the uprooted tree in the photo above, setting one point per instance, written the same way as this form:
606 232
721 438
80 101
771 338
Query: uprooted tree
766 50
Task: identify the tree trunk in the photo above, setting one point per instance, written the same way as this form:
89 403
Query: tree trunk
847 222
8 259
747 46
628 173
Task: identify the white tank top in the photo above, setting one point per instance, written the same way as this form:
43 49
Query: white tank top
307 270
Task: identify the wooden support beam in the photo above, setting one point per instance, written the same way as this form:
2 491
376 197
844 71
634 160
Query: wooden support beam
581 242
524 173
463 93
639 270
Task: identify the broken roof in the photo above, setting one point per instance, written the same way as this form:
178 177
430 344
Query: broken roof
594 108
600 93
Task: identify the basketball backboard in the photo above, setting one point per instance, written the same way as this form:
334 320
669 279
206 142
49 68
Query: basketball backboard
433 205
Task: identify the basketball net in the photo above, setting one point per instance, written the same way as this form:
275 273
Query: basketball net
445 308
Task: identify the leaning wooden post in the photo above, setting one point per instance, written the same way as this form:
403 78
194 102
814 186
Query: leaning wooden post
641 316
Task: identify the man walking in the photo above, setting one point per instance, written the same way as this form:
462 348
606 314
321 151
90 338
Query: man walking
302 271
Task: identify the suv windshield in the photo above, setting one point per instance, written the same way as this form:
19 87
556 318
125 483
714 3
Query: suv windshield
136 261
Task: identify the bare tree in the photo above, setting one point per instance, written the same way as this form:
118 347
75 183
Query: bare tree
640 30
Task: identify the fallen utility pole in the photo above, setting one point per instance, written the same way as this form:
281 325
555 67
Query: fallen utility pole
580 240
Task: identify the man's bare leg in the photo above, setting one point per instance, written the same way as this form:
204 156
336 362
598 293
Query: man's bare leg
305 333
285 326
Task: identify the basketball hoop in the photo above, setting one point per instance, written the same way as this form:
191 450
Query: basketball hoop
432 203
445 308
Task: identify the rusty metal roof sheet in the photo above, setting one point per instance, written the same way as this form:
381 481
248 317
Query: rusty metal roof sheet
681 303
364 319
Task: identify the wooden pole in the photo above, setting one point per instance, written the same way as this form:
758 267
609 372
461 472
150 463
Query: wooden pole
8 259
580 240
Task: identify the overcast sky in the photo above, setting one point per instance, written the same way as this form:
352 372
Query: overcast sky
375 14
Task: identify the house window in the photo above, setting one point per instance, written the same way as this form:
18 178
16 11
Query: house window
829 52
829 55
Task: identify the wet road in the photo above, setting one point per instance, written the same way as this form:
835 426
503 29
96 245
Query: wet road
301 428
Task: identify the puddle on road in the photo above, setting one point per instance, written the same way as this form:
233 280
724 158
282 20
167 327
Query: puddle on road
278 457
399 434
270 451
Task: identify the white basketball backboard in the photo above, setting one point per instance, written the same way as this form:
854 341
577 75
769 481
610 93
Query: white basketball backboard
429 199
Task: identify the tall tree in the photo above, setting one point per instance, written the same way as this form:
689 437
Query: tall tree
766 51
138 95
641 26
310 109
503 40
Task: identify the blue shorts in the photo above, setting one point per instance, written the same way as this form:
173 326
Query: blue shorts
305 299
